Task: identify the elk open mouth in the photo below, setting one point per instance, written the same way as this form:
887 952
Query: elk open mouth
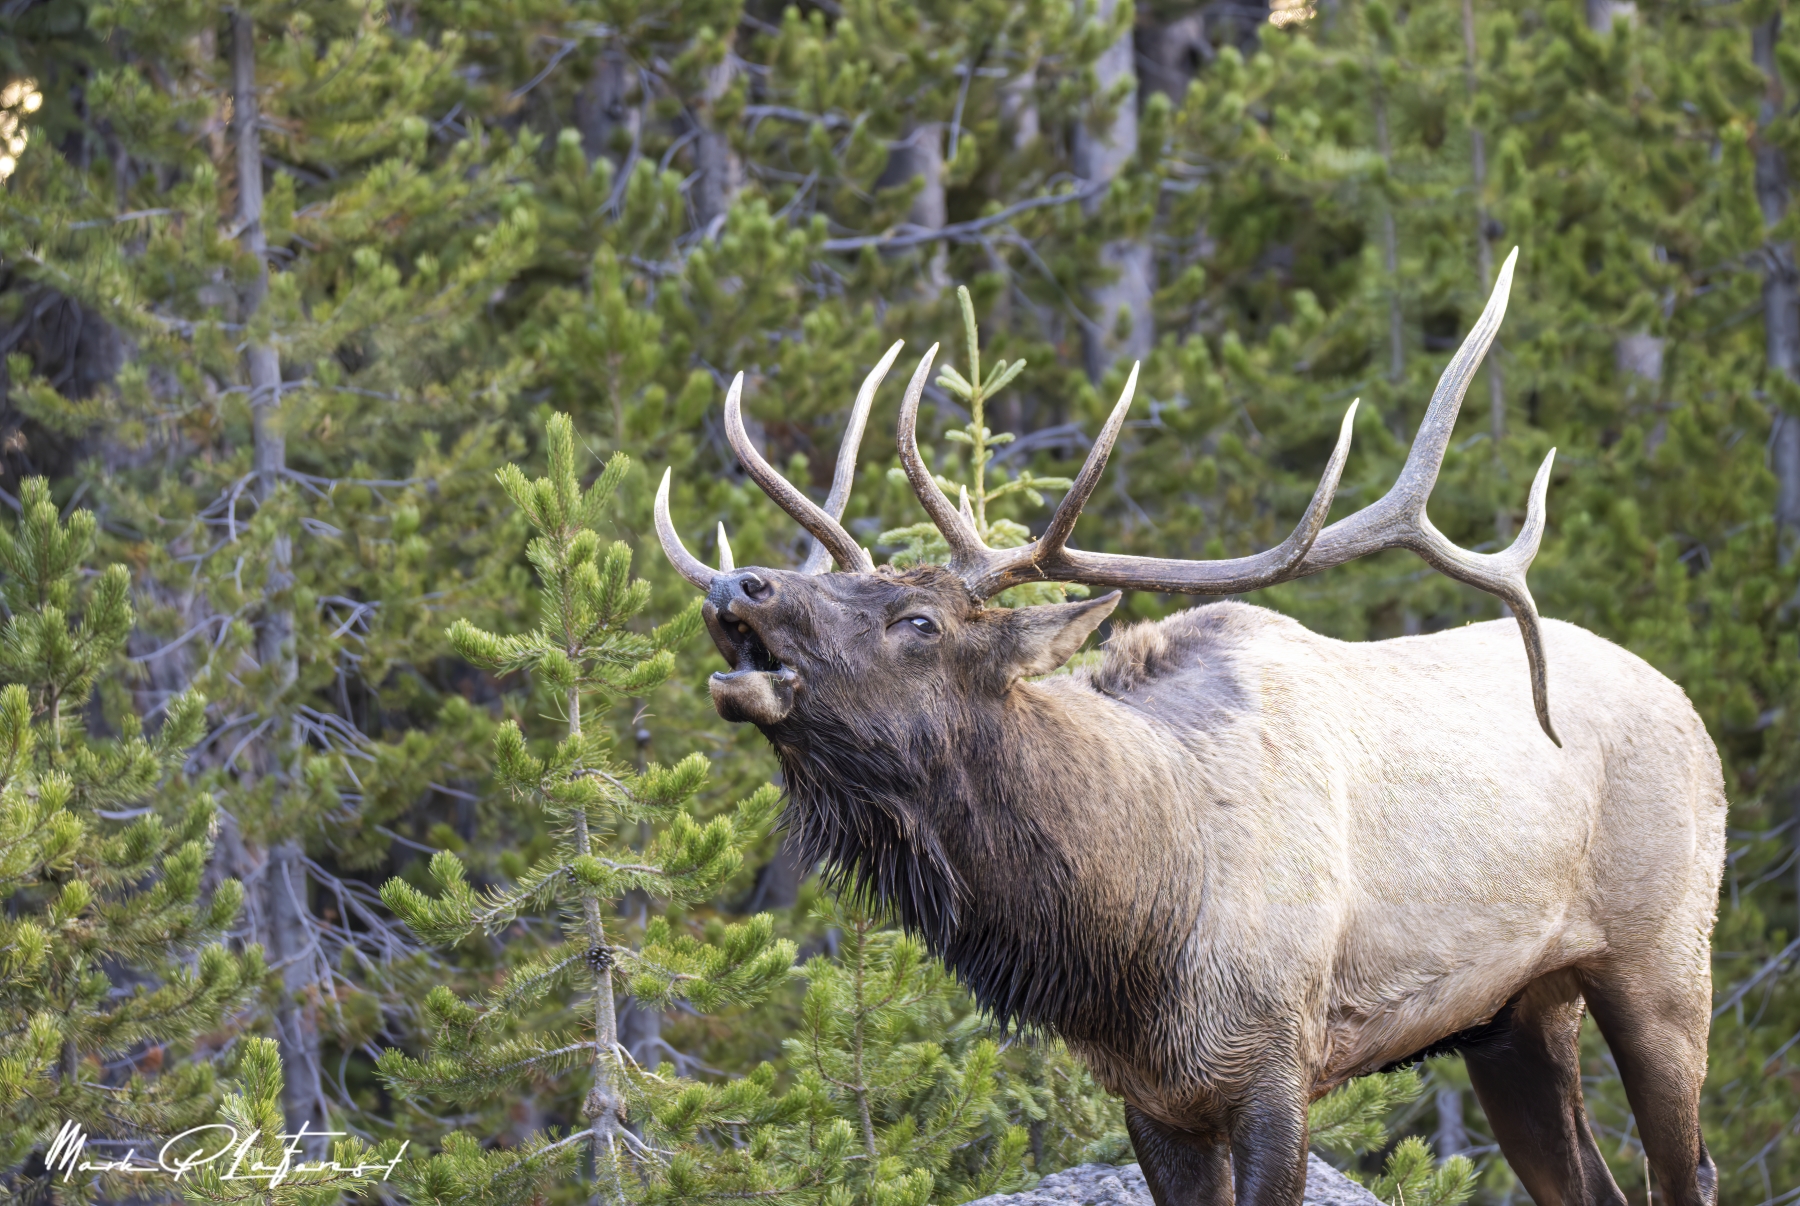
761 688
747 650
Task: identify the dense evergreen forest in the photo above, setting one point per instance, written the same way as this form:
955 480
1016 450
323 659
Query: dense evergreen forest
357 765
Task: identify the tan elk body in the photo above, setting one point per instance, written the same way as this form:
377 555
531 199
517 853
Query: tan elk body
1378 833
1237 863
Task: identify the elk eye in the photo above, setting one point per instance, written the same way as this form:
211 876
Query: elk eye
923 624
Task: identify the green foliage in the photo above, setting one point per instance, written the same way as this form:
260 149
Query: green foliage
863 1053
1412 1178
877 1111
257 1167
301 595
617 831
1353 1119
893 1090
103 846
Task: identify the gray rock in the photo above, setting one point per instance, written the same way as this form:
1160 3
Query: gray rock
1326 1186
1083 1185
1105 1185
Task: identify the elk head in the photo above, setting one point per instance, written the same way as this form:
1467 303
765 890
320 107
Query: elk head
807 647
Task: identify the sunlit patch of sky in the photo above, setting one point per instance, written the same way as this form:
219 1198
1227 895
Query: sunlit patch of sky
18 99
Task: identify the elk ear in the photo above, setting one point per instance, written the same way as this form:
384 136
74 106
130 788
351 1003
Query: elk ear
1040 639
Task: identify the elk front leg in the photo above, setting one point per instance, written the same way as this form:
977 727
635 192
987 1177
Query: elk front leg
1268 1147
1182 1168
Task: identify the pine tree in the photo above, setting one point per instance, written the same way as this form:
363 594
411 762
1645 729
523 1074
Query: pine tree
103 845
896 1091
294 438
434 238
256 1165
890 1045
1353 1120
872 147
584 648
936 1120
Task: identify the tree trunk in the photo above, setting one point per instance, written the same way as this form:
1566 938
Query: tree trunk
1451 1138
920 155
605 1105
1390 250
1484 250
287 930
1639 355
640 1030
721 170
778 881
1018 108
1170 55
639 1027
1603 14
603 112
1020 126
1781 291
1100 155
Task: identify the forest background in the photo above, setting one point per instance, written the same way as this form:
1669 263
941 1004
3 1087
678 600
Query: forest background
284 285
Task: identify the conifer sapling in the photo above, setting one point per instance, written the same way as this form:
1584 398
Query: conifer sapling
584 650
922 542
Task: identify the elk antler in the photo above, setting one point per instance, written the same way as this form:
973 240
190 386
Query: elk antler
685 563
844 473
830 540
1397 520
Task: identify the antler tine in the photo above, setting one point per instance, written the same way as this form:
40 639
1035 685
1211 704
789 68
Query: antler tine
805 511
685 563
1503 574
1381 524
726 562
1292 551
843 475
1062 524
968 555
1426 456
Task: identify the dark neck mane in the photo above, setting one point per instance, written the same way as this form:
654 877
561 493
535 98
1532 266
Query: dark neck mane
960 842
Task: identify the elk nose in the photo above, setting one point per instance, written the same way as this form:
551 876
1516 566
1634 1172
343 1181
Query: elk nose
745 587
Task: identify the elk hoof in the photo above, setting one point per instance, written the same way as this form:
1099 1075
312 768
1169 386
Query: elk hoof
759 696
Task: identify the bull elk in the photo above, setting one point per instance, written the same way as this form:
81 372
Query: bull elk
1235 863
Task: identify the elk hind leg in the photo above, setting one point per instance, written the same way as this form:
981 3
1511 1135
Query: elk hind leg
1527 1077
1182 1168
1655 1020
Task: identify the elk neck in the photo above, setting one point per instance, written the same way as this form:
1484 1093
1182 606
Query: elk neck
1037 843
